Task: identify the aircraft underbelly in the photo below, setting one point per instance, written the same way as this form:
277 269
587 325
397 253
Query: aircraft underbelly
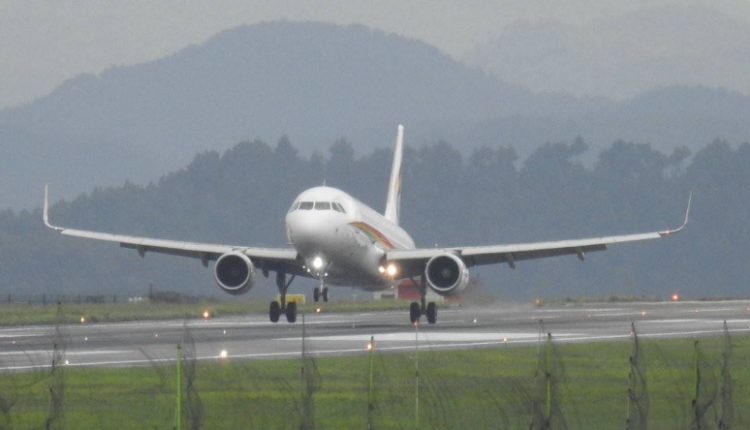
354 260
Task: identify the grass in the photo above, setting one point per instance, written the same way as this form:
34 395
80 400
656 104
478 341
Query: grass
468 389
23 314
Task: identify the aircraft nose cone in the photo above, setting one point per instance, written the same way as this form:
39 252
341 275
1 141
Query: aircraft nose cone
309 232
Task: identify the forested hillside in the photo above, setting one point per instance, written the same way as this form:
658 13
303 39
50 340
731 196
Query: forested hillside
241 196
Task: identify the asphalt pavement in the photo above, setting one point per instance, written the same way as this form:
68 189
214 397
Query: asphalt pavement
254 337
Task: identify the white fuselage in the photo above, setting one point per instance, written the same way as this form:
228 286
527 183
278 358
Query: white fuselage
342 240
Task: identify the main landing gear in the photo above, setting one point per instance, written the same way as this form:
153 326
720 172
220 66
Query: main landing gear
276 308
416 310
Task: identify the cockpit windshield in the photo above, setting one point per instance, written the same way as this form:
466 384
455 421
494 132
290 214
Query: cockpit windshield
318 206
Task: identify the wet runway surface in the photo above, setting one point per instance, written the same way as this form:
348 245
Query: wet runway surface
253 337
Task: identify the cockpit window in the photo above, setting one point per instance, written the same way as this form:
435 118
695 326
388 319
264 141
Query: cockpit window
322 206
305 206
340 207
294 207
336 207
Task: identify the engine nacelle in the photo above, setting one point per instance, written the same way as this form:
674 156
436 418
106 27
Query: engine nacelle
234 273
446 274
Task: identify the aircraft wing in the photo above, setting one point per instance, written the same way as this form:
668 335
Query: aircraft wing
413 260
264 258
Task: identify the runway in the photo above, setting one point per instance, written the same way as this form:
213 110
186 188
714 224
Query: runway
253 337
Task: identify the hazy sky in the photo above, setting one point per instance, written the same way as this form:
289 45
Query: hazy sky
45 42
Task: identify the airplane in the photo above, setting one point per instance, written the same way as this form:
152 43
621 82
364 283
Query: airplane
339 240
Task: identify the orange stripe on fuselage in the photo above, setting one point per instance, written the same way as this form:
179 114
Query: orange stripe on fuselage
373 233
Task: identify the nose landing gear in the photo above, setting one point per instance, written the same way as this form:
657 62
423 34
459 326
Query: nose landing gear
276 308
320 292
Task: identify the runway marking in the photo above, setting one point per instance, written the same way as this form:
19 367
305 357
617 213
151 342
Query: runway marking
122 363
427 337
67 353
702 321
14 336
580 310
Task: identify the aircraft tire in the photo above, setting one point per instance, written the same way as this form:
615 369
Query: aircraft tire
431 313
325 294
316 294
274 311
291 312
414 312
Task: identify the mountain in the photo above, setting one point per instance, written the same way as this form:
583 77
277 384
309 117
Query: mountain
666 118
316 83
623 55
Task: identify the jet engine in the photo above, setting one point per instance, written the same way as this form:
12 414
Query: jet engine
446 274
234 273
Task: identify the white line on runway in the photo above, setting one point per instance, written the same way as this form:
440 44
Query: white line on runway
701 321
49 351
381 348
427 337
13 336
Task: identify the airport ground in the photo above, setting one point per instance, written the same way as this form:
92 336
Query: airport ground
476 366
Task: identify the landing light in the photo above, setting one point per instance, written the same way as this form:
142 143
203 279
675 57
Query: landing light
317 262
381 269
392 270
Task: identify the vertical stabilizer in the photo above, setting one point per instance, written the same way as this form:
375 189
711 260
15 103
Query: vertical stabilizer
393 203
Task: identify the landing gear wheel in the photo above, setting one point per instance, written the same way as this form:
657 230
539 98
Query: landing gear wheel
325 294
414 312
316 294
274 311
431 313
291 312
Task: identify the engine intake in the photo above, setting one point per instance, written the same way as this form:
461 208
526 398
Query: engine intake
446 274
234 273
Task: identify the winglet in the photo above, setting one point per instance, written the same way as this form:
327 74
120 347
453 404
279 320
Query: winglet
45 210
684 224
393 203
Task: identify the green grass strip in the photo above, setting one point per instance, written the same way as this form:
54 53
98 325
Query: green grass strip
467 389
